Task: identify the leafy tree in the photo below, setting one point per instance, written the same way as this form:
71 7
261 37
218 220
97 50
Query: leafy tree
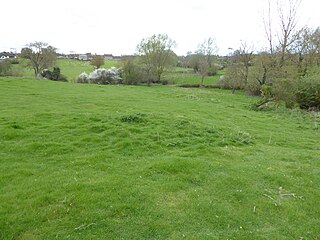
41 56
97 61
156 54
132 71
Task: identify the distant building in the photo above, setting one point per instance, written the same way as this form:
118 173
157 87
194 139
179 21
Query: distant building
89 56
5 55
108 57
83 57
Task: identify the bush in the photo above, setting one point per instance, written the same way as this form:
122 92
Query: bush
308 92
83 78
101 76
54 75
284 90
14 60
5 68
132 72
233 78
212 70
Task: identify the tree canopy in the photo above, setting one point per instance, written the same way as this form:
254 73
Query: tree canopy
156 54
41 56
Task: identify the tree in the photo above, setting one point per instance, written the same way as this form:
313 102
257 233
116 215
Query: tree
156 54
285 29
208 49
288 26
307 49
204 57
97 61
243 58
203 68
41 56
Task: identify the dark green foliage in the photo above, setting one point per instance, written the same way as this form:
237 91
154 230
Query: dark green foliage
5 68
54 75
308 92
213 70
132 72
14 60
133 118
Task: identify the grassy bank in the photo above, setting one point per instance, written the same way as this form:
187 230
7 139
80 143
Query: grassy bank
136 162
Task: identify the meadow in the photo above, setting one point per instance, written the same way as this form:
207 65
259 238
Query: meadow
69 67
162 162
73 68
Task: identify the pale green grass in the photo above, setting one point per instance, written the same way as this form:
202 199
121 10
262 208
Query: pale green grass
134 162
187 76
69 67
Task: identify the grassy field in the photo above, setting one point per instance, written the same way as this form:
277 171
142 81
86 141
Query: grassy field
69 67
187 76
135 162
73 68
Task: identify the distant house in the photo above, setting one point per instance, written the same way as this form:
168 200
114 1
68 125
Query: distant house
83 57
108 57
89 56
116 57
5 55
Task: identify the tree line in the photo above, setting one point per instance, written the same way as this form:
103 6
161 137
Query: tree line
287 70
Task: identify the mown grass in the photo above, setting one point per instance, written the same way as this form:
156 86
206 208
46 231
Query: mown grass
135 162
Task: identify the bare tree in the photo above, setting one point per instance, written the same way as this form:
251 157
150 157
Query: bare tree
204 56
208 48
244 56
285 27
268 27
288 16
41 56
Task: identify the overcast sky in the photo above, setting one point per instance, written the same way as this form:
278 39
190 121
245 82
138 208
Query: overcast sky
117 26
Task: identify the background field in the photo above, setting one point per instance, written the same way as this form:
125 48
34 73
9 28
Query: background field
73 68
69 67
135 162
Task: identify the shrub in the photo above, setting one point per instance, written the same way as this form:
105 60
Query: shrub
133 118
132 72
54 75
83 78
284 90
5 68
308 92
212 70
101 76
97 61
14 60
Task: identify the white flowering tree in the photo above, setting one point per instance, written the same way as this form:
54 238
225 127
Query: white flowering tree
101 76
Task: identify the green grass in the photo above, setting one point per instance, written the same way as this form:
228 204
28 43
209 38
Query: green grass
187 76
69 67
134 162
73 68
